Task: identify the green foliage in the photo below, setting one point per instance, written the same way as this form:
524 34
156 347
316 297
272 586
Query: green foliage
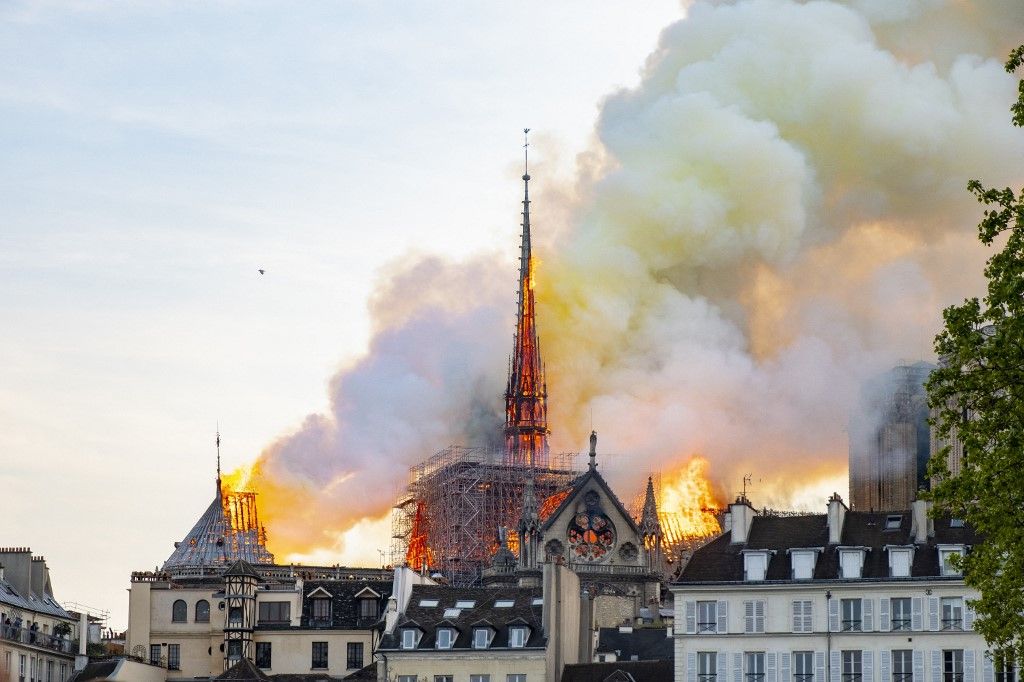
978 392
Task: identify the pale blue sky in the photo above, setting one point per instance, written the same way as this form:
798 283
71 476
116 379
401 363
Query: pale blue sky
153 155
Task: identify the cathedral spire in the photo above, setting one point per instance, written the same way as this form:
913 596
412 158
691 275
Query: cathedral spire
218 461
526 412
649 524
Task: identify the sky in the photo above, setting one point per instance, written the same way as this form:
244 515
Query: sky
155 155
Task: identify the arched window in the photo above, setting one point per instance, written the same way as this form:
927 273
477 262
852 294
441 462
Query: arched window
202 611
179 612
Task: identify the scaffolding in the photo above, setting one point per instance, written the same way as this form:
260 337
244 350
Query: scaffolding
458 501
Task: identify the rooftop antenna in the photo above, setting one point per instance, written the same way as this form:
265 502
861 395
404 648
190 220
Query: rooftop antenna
747 480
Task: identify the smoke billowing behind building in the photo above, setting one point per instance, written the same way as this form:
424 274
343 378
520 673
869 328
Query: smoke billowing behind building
776 213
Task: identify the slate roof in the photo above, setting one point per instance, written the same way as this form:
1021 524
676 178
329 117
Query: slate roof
722 561
647 644
245 671
344 604
11 599
619 671
95 670
484 613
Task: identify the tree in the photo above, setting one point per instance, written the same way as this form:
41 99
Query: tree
978 397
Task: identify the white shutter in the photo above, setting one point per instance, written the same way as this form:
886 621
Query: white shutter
933 613
988 673
883 614
833 615
785 665
690 608
723 617
867 666
771 672
819 666
691 667
808 616
918 665
915 613
867 614
737 668
759 615
968 617
936 665
968 665
834 667
720 665
884 665
748 616
798 615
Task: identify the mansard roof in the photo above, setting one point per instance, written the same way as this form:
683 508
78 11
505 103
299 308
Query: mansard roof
722 561
346 596
618 671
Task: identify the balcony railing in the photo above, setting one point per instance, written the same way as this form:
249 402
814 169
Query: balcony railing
609 569
37 638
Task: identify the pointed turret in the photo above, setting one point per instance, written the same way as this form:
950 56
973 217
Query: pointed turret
526 412
650 527
529 535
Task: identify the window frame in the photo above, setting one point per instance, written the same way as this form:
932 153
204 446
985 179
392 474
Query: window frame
319 652
450 636
955 618
153 660
174 657
905 657
905 620
523 637
1004 668
707 666
179 611
317 608
753 666
410 636
283 609
351 649
952 665
806 659
264 650
203 617
488 634
707 616
853 621
851 665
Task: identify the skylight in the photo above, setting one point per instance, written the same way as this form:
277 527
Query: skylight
428 602
465 604
452 613
892 522
956 523
538 601
504 603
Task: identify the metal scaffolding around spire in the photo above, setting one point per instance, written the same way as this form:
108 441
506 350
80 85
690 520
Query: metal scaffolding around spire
526 412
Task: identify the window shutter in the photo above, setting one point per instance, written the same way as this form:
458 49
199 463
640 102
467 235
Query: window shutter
833 615
968 665
933 613
771 671
884 661
968 617
808 616
691 667
798 616
785 664
737 668
691 616
918 666
987 669
748 616
936 665
867 666
759 608
819 666
867 615
915 614
720 672
883 614
834 669
723 617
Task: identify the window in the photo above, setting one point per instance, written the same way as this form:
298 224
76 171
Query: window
755 564
263 655
803 666
850 563
202 611
504 603
515 677
408 678
63 672
319 655
946 561
1006 671
428 602
956 523
707 666
444 678
452 613
179 611
354 655
851 616
802 612
537 601
235 616
952 613
953 665
174 657
899 562
154 656
410 638
321 610
900 613
276 611
517 637
852 670
481 638
49 671
893 521
465 604
753 616
753 666
234 651
445 638
902 665
479 678
369 608
707 616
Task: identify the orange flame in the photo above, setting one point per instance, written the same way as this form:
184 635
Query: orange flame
687 507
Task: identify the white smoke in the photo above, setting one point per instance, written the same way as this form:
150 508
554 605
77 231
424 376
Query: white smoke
777 212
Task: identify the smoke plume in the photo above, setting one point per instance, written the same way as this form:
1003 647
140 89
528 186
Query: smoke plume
777 212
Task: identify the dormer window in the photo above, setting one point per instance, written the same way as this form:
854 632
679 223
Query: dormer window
803 561
321 610
755 564
445 638
900 560
851 562
410 638
517 636
482 638
946 554
369 608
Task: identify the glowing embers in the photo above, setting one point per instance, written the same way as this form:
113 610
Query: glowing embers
419 554
686 505
551 503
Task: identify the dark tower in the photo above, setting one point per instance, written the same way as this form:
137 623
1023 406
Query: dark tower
526 410
529 536
240 612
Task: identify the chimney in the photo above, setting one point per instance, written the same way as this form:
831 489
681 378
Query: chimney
922 526
81 660
741 515
836 515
